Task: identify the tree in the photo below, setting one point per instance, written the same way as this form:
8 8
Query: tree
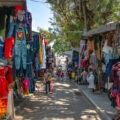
72 17
49 36
60 46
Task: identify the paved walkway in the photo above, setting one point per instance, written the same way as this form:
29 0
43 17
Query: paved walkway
100 99
65 103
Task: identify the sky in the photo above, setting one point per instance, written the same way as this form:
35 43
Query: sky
41 14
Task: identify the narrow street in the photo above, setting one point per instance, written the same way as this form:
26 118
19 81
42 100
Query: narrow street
65 103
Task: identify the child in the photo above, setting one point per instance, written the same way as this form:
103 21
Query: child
62 75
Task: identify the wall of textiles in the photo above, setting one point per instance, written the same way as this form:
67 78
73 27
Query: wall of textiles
103 57
17 52
39 56
50 61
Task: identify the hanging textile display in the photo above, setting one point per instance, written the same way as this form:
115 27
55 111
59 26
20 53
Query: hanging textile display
90 46
43 65
20 42
40 49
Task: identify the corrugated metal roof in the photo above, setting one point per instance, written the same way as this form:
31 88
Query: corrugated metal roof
104 28
11 3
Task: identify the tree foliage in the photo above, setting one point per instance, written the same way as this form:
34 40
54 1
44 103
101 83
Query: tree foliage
72 17
49 36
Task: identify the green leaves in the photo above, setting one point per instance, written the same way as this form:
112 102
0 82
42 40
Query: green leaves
60 46
69 19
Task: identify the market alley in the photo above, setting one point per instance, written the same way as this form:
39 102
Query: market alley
65 103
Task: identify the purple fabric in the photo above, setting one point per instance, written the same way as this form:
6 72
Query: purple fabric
26 16
114 75
118 73
82 46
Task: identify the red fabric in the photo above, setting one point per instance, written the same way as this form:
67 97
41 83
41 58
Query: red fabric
118 101
3 83
18 7
115 78
46 43
8 47
83 63
9 75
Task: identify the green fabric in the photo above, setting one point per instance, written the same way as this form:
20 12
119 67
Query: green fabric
2 32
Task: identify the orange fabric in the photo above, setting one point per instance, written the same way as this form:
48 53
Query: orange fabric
3 105
98 52
118 101
90 46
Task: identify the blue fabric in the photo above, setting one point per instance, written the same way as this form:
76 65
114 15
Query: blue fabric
31 85
1 46
107 57
37 62
29 64
11 28
36 42
20 48
109 66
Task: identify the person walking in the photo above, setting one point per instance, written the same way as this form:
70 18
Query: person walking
47 80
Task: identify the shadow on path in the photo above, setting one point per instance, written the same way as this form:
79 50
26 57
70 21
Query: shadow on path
62 104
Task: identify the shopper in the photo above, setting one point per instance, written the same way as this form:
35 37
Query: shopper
47 80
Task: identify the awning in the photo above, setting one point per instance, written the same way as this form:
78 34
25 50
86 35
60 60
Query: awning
102 29
11 3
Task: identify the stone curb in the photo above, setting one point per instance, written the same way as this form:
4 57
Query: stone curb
103 112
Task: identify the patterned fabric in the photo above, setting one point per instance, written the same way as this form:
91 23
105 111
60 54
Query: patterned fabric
90 46
20 47
40 49
1 46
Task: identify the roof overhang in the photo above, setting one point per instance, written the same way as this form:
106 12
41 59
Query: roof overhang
11 3
102 29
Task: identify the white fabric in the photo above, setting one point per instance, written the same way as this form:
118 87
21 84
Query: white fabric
106 48
44 56
90 79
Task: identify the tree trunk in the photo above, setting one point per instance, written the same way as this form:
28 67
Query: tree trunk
84 13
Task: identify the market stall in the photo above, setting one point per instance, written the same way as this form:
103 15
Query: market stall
16 61
103 51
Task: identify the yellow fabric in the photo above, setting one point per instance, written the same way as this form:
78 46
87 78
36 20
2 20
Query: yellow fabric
73 74
40 51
